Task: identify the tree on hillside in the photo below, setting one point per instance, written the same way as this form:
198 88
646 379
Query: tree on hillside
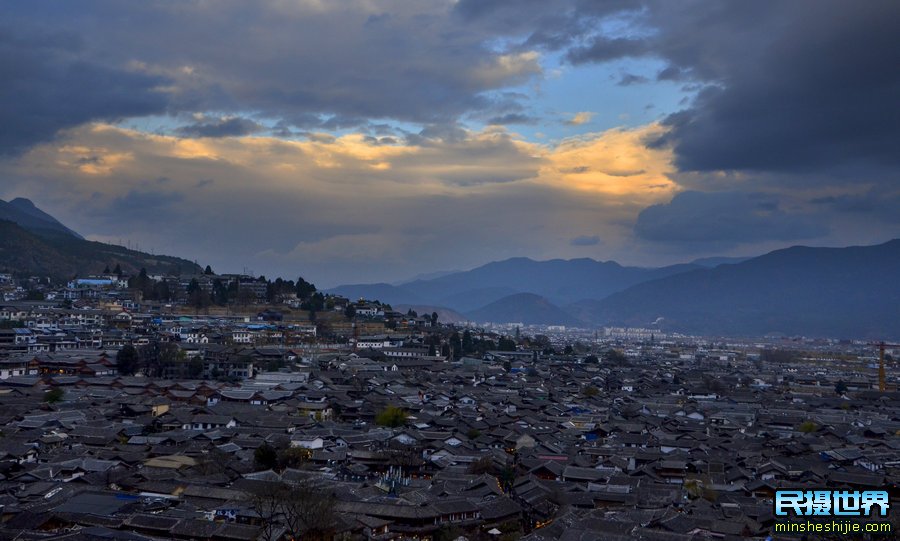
315 303
197 297
304 289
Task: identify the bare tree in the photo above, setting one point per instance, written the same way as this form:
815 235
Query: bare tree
265 498
305 508
308 510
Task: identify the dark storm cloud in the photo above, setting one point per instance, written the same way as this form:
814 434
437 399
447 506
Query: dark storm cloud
47 86
603 49
221 127
723 220
872 204
798 86
792 86
821 92
346 63
547 25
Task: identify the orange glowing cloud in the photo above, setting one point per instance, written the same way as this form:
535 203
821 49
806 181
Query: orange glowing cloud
616 162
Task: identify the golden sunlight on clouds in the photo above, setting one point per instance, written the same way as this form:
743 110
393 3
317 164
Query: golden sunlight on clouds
91 160
615 162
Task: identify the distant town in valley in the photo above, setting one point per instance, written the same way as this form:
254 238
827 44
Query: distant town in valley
179 403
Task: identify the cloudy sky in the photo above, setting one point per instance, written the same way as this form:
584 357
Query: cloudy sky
370 140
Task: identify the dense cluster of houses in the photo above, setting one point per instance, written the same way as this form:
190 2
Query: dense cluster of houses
663 440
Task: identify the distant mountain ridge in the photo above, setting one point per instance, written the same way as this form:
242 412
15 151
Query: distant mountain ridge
559 281
836 292
33 242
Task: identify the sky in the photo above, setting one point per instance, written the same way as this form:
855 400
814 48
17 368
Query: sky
370 141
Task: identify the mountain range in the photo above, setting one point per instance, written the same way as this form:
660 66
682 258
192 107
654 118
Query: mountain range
839 292
34 243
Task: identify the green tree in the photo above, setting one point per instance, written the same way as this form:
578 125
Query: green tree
808 427
467 345
506 344
265 457
315 303
54 395
127 360
456 346
161 291
208 271
197 297
591 359
304 289
840 387
293 457
195 367
616 357
118 270
391 416
35 295
590 391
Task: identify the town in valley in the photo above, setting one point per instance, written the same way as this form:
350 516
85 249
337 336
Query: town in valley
285 413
